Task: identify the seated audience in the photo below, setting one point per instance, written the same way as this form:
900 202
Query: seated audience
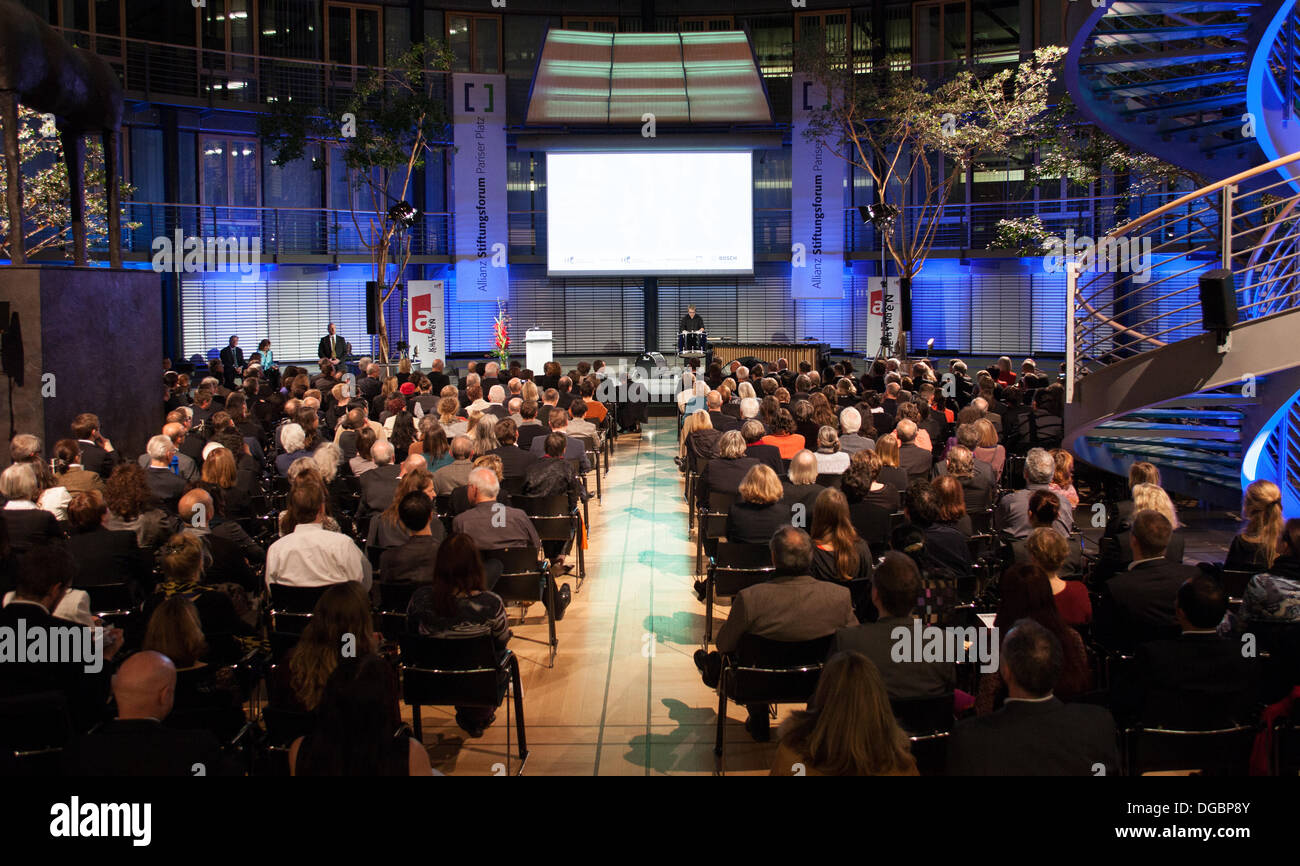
943 542
28 524
1141 600
726 470
890 472
1011 517
851 440
359 729
412 562
839 553
1063 478
310 556
848 729
792 606
759 510
784 437
768 455
978 490
380 483
1049 551
70 473
1273 596
801 487
296 685
104 555
895 588
1044 508
831 460
553 475
137 743
1255 547
386 529
1035 733
1116 549
952 504
457 603
131 508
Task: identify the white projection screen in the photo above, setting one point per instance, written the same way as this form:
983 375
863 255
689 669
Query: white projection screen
663 213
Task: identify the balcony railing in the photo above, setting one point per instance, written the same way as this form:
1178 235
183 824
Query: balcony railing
317 231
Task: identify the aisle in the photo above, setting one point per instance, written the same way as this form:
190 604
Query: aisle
624 697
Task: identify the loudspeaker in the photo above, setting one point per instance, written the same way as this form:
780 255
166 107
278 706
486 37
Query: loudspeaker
372 307
905 304
1218 300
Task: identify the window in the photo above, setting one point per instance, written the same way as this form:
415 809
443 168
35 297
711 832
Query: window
705 23
939 42
592 25
773 37
353 39
476 42
230 188
228 29
995 32
832 27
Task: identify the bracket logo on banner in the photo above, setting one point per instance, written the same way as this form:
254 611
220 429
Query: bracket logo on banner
882 311
479 179
426 325
817 204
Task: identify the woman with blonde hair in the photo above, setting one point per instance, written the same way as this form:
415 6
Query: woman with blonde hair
483 435
1063 478
890 472
989 450
758 511
220 474
1255 547
849 728
699 438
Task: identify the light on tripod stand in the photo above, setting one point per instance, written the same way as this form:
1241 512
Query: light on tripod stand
929 344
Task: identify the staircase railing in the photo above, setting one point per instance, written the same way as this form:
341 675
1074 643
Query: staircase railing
1136 289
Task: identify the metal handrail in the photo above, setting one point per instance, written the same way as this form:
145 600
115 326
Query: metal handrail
1252 236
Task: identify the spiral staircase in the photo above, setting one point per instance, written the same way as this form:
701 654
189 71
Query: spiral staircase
1213 87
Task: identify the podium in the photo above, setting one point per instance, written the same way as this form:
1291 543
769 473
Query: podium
538 351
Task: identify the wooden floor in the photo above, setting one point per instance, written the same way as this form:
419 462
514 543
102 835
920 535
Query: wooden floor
624 697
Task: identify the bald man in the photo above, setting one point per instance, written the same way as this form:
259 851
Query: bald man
224 545
137 743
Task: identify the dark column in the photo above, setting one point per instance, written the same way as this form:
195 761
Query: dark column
651 314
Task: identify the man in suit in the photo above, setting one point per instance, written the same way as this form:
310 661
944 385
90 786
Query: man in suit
187 468
232 362
97 454
495 526
412 562
1035 733
137 743
575 450
915 461
165 486
496 402
792 606
370 384
895 587
332 346
721 420
44 576
1011 517
224 554
379 485
514 460
769 455
1198 680
1139 603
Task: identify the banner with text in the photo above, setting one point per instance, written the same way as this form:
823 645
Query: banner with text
425 323
479 182
817 216
882 312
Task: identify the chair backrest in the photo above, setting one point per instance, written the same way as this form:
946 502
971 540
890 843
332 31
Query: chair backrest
737 566
522 578
513 487
981 521
1224 751
36 721
110 598
925 715
395 596
1235 582
775 672
295 599
835 480
460 671
551 516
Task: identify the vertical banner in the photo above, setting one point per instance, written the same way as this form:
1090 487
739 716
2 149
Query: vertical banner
882 312
817 205
425 325
479 182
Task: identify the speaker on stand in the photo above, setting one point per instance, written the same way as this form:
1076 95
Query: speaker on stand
1219 305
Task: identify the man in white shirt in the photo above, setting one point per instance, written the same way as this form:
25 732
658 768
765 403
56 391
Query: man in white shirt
311 555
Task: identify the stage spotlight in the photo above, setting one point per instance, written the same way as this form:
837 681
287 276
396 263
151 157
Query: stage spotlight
403 214
881 215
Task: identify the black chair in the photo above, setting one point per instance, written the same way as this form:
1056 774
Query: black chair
924 717
113 603
694 469
1219 752
981 521
1234 583
291 606
593 454
464 672
833 479
394 598
524 580
930 751
711 525
512 487
34 730
731 569
764 671
557 522
1286 748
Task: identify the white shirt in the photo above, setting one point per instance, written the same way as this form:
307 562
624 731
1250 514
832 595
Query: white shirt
311 556
832 464
74 606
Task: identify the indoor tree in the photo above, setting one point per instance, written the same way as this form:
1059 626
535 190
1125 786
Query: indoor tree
385 130
46 208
